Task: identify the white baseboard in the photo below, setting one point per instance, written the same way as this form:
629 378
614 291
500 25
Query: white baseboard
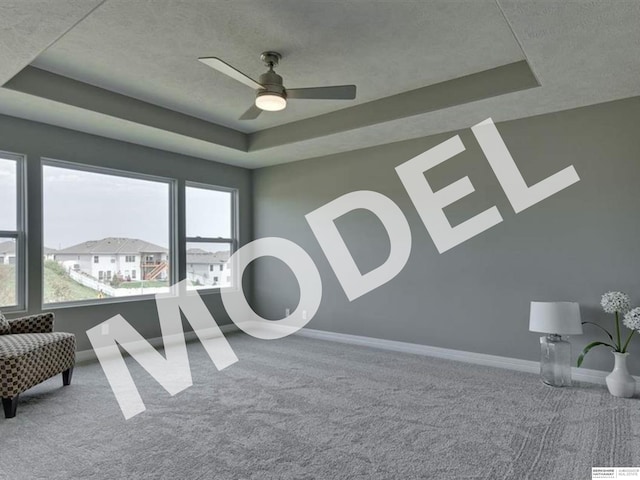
86 356
529 366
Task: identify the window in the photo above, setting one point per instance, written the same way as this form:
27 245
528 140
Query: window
12 247
211 232
133 274
88 211
130 259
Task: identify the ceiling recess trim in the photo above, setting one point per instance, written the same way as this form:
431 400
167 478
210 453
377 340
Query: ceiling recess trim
44 84
497 81
509 78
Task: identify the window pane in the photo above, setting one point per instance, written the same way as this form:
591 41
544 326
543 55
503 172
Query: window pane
208 265
8 278
208 213
8 194
105 235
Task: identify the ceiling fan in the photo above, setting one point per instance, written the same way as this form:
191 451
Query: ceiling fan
271 95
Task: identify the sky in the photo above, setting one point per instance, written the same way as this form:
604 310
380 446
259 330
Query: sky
81 206
7 195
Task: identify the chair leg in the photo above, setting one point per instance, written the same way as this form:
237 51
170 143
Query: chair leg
10 405
66 376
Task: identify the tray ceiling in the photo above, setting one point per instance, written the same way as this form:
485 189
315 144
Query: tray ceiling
564 55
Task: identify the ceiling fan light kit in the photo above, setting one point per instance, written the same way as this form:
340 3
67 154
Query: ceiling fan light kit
271 95
269 101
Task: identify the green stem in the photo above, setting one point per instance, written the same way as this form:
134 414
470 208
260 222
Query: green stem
618 332
626 344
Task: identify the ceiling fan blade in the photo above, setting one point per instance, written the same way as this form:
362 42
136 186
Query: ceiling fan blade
252 113
339 92
227 69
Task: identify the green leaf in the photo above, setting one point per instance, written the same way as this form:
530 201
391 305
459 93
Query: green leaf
589 347
601 328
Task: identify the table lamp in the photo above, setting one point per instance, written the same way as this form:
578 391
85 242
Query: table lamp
555 319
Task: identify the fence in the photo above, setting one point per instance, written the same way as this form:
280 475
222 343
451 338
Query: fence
110 291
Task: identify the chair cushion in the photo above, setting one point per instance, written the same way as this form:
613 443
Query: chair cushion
17 345
39 323
27 359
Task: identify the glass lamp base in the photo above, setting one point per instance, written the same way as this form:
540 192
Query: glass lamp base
555 361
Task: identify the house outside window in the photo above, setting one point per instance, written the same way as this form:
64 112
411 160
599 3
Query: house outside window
211 234
12 235
141 224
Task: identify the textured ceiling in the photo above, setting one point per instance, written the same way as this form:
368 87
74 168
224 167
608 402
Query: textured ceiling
28 27
581 53
149 50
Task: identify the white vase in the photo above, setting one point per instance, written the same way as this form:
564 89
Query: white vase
619 381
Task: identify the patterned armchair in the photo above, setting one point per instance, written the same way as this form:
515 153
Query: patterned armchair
31 353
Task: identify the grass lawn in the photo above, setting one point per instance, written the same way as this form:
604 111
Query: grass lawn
60 287
145 284
7 284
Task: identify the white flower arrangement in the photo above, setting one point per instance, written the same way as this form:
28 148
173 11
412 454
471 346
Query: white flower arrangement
616 303
613 302
632 319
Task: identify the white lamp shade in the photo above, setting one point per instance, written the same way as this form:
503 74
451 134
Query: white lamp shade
270 102
562 318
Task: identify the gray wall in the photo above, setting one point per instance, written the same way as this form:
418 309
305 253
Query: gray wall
573 246
37 140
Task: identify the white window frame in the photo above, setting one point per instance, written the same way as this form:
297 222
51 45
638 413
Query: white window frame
19 234
172 256
232 242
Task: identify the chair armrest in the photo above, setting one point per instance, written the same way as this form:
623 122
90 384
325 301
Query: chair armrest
41 323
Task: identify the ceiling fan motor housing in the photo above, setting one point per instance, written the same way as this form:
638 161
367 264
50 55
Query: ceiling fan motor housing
272 83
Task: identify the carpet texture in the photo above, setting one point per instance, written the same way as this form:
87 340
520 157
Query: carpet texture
300 408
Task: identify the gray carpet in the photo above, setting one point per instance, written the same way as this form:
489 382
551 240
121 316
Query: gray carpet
299 408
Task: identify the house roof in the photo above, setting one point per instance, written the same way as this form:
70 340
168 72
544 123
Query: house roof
112 245
10 247
200 256
7 247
